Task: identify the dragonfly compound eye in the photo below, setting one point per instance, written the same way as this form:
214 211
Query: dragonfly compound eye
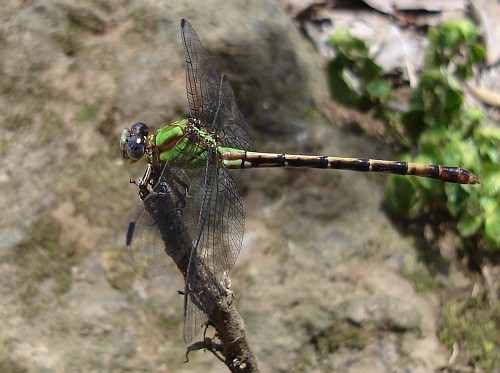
139 129
136 147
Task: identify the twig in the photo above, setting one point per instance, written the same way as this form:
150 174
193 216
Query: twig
228 324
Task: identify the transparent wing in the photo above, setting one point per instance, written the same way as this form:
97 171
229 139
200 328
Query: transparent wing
210 96
231 127
202 80
185 174
154 240
217 243
213 209
145 248
194 211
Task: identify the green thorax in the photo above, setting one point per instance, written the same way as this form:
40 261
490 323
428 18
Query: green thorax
181 137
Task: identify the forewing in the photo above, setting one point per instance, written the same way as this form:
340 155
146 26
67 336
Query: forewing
213 211
210 96
202 80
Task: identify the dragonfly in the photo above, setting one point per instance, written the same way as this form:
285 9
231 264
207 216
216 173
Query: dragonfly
191 210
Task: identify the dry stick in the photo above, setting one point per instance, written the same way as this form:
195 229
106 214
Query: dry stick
228 324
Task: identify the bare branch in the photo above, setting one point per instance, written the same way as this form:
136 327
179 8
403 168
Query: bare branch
228 324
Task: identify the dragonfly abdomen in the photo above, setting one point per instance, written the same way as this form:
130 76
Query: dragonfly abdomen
233 158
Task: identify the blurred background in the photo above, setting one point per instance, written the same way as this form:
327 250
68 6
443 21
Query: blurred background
339 271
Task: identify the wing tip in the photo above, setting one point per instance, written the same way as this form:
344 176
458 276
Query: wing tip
130 233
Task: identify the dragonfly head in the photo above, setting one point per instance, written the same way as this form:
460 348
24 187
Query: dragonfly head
133 142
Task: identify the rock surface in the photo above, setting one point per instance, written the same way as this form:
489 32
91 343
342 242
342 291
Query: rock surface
319 281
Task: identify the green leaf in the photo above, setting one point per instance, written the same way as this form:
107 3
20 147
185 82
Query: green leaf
340 37
343 42
469 224
457 31
456 198
478 53
369 68
430 78
457 152
413 122
492 183
487 139
378 88
471 216
433 139
489 132
475 115
491 208
402 196
452 100
340 90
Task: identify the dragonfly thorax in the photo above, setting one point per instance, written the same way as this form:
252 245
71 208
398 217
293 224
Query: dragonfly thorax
183 137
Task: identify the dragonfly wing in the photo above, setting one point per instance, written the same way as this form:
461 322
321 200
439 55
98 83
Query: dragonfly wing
214 210
202 80
217 243
210 96
198 302
195 319
222 222
231 127
188 171
146 249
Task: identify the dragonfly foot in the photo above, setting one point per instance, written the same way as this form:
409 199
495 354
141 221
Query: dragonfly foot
206 344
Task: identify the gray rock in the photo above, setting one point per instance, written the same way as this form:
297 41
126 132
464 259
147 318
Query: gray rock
73 75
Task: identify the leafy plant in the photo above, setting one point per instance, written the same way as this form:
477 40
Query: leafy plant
437 126
355 79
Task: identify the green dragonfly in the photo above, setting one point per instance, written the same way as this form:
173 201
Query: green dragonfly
187 186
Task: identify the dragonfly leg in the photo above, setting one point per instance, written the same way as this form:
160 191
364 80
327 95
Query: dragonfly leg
180 191
143 181
206 344
173 188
